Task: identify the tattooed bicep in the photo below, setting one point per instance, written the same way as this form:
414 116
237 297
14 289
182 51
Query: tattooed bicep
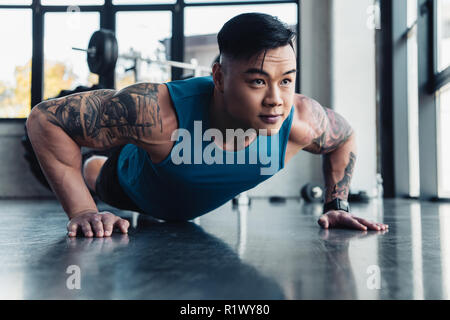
329 129
105 118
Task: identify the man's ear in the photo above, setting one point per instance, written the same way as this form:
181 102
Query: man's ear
218 76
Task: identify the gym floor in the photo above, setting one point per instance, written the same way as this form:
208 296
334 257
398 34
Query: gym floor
261 251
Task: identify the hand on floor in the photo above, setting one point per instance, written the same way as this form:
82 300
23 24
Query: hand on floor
96 223
342 219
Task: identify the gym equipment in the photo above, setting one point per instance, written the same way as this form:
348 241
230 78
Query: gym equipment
312 193
277 199
361 196
241 200
102 54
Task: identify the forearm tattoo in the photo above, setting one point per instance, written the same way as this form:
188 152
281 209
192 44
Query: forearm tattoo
341 188
333 130
104 118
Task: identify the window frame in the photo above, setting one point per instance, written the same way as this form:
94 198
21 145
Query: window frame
391 55
393 93
442 78
430 83
107 13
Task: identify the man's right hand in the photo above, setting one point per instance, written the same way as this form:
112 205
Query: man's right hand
96 223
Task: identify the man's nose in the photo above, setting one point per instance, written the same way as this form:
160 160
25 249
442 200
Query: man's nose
273 97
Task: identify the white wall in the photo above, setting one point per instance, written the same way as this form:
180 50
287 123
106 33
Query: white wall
354 86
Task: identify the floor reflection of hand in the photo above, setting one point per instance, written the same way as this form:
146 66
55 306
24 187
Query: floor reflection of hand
343 236
100 245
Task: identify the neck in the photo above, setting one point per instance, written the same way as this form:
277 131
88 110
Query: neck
221 120
218 117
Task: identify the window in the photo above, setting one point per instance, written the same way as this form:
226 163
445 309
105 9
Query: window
15 2
143 1
443 97
15 63
142 34
72 2
212 1
443 103
218 15
145 31
65 68
201 38
443 34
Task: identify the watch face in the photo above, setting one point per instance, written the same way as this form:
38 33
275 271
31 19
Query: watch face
337 204
343 204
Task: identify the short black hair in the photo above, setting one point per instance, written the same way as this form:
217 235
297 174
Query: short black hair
248 34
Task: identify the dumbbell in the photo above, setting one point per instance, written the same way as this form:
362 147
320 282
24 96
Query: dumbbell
312 193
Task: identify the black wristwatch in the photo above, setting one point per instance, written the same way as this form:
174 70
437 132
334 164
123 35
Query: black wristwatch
336 204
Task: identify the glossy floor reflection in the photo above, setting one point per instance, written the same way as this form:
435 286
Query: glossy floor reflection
264 251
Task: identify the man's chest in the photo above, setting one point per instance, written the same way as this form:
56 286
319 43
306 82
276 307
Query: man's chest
300 136
291 150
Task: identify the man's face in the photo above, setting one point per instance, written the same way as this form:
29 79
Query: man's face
253 90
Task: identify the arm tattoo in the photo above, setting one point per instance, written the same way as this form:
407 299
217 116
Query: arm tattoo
333 130
103 118
341 188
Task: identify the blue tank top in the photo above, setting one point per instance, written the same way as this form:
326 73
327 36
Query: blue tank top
182 190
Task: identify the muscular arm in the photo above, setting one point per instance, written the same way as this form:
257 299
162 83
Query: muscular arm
98 119
325 132
332 137
106 118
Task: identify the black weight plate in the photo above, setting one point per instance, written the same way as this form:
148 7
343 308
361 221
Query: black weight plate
106 52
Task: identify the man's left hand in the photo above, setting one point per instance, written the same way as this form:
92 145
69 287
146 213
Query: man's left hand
342 219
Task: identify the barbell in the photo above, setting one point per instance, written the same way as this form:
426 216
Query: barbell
102 54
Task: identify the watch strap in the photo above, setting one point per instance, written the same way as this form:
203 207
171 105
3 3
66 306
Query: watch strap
336 204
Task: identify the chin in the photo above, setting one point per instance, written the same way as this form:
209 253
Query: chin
271 129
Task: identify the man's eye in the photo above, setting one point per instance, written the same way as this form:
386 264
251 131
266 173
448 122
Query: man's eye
286 82
258 81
